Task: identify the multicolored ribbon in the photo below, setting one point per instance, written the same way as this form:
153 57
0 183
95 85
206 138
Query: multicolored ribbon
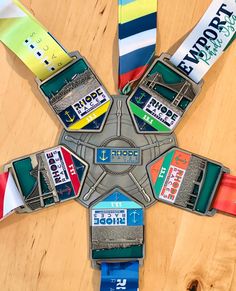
137 39
10 197
120 276
30 41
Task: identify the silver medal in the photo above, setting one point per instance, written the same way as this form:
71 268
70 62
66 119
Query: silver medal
117 156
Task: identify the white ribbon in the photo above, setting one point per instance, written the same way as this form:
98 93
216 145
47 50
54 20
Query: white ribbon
8 9
206 43
10 198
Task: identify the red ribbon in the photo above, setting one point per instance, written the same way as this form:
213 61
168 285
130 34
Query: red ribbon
225 199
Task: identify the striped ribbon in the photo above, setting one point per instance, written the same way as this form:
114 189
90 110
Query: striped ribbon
137 39
10 197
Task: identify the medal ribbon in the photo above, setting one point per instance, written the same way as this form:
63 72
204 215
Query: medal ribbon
137 39
225 199
30 41
119 276
10 197
208 40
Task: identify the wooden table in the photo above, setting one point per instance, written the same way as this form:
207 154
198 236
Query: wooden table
48 250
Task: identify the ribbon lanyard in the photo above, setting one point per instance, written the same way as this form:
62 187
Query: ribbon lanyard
137 39
208 40
30 41
119 276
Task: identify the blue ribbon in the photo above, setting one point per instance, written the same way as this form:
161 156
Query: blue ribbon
119 276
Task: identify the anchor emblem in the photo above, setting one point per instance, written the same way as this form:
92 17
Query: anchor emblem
178 159
139 99
134 214
70 119
103 157
67 190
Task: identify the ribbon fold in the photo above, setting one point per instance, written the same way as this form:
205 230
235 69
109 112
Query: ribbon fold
10 198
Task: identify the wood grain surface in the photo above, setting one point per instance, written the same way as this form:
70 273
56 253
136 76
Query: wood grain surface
48 250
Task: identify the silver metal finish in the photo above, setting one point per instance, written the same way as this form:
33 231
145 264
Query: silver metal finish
118 133
110 237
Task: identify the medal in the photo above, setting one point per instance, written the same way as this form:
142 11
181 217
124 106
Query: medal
186 180
117 228
117 156
76 95
46 177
